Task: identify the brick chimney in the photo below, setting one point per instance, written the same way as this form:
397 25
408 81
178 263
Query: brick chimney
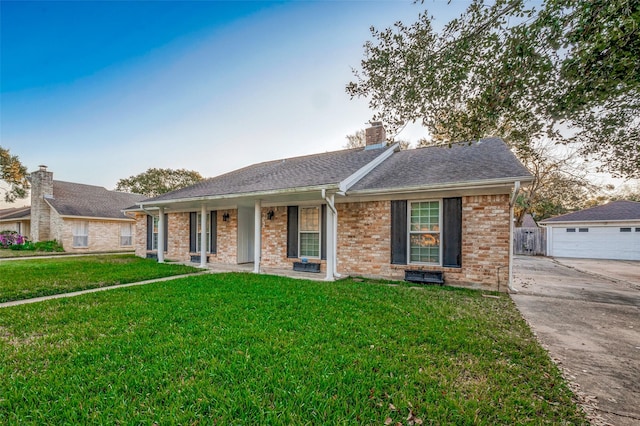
375 136
41 188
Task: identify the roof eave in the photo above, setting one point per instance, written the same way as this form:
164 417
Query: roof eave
456 185
256 195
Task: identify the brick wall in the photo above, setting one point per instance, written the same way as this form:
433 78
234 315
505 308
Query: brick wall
104 235
364 241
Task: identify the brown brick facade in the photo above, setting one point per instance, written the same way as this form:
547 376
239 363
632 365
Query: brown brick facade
364 241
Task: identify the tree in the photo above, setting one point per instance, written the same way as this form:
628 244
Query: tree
154 181
359 140
566 71
14 174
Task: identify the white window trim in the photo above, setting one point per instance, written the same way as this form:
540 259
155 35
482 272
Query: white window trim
77 236
199 234
300 255
409 232
130 235
154 232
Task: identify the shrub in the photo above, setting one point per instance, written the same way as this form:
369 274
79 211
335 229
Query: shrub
9 239
28 245
51 245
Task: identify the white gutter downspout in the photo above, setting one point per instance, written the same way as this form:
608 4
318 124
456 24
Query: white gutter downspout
512 203
257 238
332 237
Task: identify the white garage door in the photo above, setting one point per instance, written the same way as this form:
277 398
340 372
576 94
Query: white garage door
596 242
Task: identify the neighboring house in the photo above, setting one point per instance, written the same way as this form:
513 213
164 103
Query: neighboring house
610 231
16 219
82 218
376 211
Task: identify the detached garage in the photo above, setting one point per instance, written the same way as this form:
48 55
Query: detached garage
610 231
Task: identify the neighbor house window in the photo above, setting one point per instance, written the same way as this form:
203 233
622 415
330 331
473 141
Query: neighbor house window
625 229
571 229
126 234
80 234
309 238
583 229
424 232
199 232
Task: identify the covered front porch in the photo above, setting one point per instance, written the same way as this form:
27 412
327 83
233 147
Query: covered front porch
261 228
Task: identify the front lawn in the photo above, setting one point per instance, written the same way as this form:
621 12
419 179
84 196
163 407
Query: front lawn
252 349
24 279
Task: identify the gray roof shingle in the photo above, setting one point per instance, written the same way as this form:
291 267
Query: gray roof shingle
310 170
487 159
15 213
75 199
615 210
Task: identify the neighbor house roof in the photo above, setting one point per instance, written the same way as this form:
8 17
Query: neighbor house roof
75 199
15 213
615 210
528 221
482 161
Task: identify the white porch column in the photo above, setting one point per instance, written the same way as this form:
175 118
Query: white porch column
331 237
203 237
161 235
257 239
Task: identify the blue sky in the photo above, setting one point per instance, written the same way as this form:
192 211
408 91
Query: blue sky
100 91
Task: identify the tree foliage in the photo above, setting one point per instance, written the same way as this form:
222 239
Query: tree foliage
566 70
154 181
14 174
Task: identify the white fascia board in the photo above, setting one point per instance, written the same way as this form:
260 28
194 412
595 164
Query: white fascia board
253 195
444 186
104 219
366 169
576 223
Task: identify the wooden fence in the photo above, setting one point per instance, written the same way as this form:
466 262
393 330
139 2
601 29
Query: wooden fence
530 241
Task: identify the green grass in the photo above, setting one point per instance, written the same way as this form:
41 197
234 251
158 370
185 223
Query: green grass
250 349
24 279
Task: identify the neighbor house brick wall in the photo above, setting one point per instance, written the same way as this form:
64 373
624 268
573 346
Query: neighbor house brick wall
104 235
41 186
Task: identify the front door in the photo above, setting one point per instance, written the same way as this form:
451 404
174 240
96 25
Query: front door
246 231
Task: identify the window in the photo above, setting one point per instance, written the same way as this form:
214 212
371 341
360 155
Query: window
126 234
637 229
154 244
625 229
309 235
80 234
199 232
583 229
571 229
424 232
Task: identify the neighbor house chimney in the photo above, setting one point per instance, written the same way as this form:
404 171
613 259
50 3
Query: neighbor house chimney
41 188
375 136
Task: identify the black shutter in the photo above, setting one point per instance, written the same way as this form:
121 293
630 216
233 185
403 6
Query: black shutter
193 231
323 235
166 231
292 231
214 231
452 232
399 232
149 232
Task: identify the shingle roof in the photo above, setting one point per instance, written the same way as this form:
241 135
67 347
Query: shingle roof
310 170
15 213
528 221
75 199
487 159
615 210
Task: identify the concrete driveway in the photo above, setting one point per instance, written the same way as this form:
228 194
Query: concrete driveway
586 313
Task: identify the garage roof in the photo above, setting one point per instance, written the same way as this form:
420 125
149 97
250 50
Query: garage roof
615 210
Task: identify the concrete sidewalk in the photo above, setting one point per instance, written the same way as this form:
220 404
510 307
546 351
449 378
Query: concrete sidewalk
94 290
